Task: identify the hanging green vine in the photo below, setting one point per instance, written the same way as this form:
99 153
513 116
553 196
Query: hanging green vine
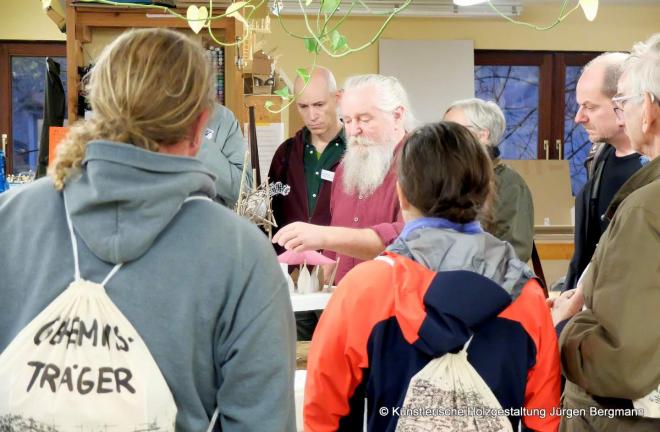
326 37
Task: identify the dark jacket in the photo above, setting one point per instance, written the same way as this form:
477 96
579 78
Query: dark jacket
588 227
54 112
287 167
513 212
611 350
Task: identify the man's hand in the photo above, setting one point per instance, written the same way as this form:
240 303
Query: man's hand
566 305
300 237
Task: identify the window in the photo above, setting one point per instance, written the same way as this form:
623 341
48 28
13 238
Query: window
23 75
536 91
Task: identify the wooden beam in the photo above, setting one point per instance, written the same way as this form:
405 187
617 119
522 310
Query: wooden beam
234 75
73 60
555 251
142 17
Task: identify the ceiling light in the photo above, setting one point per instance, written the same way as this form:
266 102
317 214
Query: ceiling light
589 7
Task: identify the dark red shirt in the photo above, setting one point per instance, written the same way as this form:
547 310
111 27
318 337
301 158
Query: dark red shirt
379 211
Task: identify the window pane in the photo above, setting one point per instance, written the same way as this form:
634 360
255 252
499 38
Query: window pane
516 91
28 76
576 140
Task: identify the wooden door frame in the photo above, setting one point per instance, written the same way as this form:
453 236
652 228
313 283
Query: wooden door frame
527 58
9 49
561 61
552 82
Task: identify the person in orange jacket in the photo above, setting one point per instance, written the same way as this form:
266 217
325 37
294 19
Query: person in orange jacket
441 282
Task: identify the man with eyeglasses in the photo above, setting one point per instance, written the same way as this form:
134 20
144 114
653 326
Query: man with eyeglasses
614 160
610 351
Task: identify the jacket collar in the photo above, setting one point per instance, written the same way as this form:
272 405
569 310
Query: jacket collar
646 175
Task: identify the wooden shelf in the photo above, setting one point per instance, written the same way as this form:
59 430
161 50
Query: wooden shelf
81 20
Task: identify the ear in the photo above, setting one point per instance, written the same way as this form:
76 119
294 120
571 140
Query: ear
403 201
398 114
650 114
484 137
337 97
198 130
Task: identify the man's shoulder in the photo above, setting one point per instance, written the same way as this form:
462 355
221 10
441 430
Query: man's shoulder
646 197
296 140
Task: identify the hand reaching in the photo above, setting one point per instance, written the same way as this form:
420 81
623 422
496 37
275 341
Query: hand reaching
300 237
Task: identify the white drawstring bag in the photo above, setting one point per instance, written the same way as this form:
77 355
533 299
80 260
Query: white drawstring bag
650 404
448 394
81 365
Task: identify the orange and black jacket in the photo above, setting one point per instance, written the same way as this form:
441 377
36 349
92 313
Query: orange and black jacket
389 317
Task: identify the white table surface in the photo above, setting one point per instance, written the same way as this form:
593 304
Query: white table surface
306 302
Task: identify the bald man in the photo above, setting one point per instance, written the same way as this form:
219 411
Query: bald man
307 163
613 163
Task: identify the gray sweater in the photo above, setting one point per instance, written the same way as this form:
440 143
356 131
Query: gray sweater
223 153
200 285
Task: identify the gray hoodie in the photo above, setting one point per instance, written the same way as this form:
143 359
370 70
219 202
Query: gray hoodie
223 153
200 284
447 250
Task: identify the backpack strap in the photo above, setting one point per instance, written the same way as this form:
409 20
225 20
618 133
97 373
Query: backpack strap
214 419
467 345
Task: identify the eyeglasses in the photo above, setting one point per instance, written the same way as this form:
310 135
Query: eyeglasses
620 101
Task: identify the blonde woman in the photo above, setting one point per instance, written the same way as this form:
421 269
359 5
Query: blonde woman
200 286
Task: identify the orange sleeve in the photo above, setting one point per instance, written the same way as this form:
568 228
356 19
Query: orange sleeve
544 379
338 352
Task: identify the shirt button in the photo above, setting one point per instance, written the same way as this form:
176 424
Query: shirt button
314 195
336 144
311 152
355 219
317 173
360 197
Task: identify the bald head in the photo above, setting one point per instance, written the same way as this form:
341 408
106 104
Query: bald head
321 78
317 105
609 67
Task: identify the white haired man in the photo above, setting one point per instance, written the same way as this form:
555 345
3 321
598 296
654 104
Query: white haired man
365 212
610 351
512 218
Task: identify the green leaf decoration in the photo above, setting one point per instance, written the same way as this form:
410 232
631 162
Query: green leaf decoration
311 45
283 92
303 73
327 6
338 41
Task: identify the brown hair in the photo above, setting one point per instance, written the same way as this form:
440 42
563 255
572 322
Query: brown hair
445 172
147 89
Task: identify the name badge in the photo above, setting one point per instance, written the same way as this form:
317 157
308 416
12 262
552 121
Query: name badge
327 175
209 133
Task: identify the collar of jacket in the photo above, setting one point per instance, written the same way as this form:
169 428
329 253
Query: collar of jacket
473 227
646 175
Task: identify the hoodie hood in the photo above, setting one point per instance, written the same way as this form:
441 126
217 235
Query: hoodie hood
444 250
125 196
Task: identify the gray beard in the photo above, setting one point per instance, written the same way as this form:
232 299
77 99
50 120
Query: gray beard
365 165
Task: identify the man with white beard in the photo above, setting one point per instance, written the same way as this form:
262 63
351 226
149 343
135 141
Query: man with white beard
365 212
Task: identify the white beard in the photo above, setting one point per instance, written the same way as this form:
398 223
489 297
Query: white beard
366 163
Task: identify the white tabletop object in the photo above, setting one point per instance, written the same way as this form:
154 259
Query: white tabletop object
313 301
